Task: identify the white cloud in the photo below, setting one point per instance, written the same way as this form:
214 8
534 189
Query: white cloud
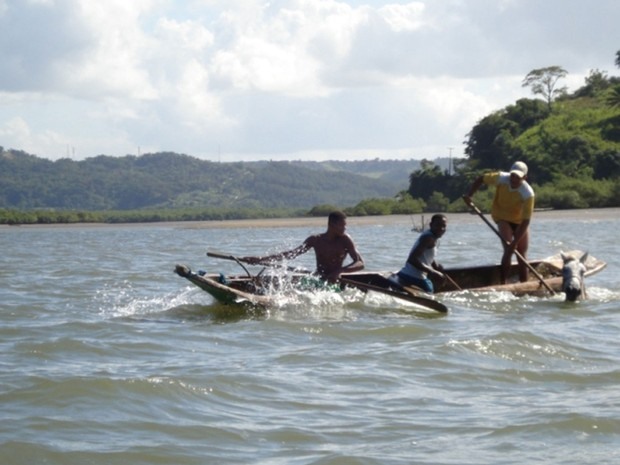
115 65
403 17
184 35
15 128
280 79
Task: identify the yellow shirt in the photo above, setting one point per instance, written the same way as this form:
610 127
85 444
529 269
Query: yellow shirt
512 205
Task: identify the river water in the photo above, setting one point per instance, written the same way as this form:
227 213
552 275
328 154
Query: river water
108 357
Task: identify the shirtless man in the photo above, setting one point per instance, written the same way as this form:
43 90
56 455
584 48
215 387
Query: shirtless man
330 249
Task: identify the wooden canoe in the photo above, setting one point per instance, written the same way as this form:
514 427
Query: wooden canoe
265 290
487 278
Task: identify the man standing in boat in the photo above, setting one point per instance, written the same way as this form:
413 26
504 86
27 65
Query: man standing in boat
421 263
512 210
330 248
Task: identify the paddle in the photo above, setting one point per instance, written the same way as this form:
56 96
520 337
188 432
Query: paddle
405 294
240 260
229 257
453 282
517 253
223 256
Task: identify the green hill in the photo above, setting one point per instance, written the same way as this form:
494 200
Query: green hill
571 144
170 180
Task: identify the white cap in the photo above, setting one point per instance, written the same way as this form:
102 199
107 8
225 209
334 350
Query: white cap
519 168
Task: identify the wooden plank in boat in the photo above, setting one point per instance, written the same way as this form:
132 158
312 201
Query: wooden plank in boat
378 283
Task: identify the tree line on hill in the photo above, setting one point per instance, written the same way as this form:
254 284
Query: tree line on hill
571 143
170 186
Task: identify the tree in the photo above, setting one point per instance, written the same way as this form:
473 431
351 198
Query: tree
543 82
607 165
613 98
424 181
437 202
596 82
490 142
618 58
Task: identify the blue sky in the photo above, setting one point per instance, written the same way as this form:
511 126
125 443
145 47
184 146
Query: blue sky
234 80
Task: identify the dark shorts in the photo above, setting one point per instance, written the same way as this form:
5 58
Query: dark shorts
513 226
425 284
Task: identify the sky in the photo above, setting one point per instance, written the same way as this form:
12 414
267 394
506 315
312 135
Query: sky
243 80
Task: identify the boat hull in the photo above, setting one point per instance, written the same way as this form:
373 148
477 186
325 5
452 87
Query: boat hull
263 290
487 278
228 290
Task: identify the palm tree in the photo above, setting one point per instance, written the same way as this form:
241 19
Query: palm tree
613 98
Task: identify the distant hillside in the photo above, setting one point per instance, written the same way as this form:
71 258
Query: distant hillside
571 145
165 180
395 171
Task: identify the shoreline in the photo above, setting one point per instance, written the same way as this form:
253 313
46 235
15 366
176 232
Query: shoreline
590 214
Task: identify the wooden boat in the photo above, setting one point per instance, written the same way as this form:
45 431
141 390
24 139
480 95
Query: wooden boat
487 278
236 289
265 289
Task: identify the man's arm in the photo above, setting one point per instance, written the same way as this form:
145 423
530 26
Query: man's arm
356 265
288 254
358 262
528 211
473 189
415 255
519 232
